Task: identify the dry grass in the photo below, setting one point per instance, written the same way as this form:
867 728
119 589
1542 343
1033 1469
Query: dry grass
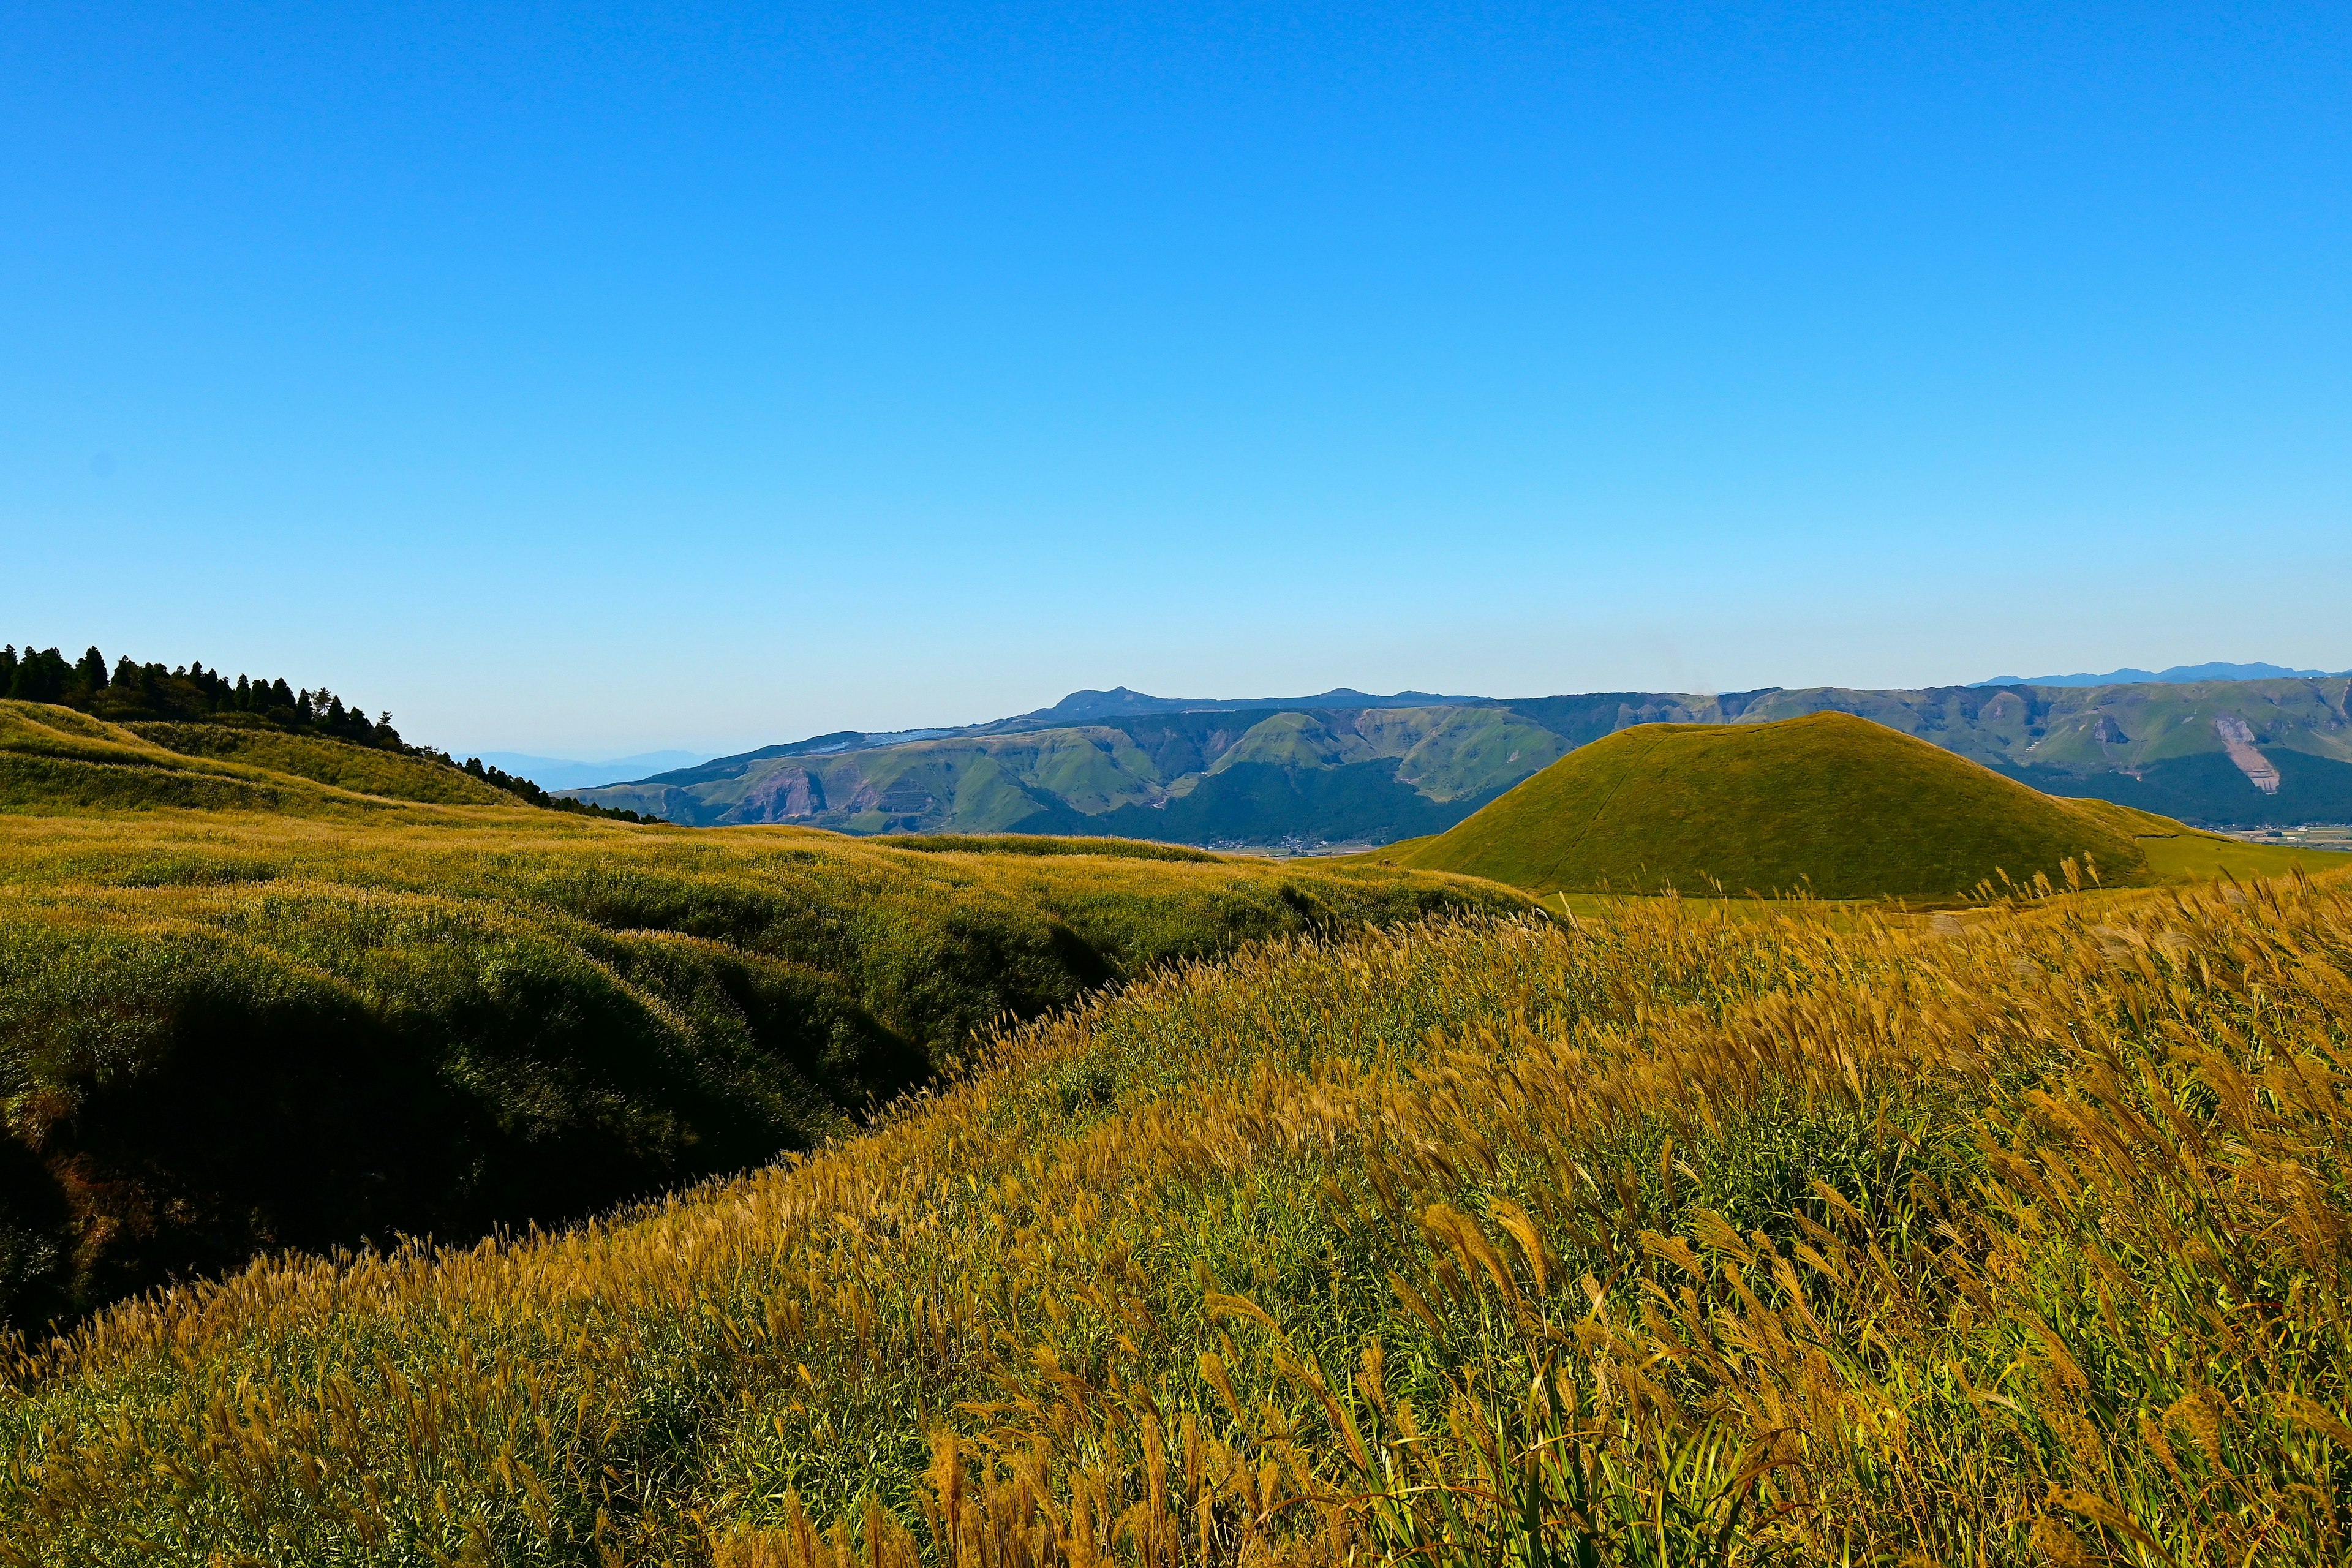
54 760
230 1032
1666 1237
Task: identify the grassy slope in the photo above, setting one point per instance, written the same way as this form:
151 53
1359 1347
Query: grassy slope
363 769
1474 751
1915 1247
2178 853
228 1029
1848 808
55 760
1443 753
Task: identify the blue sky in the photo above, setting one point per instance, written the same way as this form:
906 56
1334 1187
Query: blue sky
583 380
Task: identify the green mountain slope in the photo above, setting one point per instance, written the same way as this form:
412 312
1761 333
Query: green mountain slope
245 1006
2223 752
1209 777
1828 802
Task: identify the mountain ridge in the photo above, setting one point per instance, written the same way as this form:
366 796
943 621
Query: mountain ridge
1370 771
570 772
2179 674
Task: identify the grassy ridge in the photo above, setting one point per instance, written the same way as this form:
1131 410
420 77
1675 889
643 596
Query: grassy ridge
228 1030
394 775
1828 803
56 761
1668 1237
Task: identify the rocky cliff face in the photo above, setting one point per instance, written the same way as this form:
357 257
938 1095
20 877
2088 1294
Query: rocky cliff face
786 794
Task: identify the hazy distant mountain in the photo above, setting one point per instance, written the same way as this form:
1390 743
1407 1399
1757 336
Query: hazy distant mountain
2179 674
1347 767
1119 703
567 773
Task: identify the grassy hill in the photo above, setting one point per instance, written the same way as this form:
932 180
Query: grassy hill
262 990
1670 1236
1828 802
54 760
363 770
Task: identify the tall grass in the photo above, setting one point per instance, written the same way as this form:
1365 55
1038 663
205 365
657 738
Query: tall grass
365 770
225 1032
1669 1237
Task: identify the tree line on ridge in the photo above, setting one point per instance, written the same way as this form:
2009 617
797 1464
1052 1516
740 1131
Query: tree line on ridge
191 693
131 690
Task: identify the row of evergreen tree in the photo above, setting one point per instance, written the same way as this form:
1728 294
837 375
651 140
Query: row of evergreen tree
191 692
527 789
133 691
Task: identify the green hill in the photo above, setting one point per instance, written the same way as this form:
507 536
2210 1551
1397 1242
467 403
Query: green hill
1828 802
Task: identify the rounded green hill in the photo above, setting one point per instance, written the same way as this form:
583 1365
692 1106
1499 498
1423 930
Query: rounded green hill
1828 804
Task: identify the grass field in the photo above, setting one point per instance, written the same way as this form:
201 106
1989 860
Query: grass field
2179 853
1828 805
223 1031
1665 1237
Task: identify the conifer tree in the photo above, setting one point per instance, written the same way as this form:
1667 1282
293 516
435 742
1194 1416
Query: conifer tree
39 676
130 690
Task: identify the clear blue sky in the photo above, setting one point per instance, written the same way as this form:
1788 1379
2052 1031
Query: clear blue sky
582 379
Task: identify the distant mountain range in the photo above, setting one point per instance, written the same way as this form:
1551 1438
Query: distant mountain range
566 773
1119 703
1345 767
2179 674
